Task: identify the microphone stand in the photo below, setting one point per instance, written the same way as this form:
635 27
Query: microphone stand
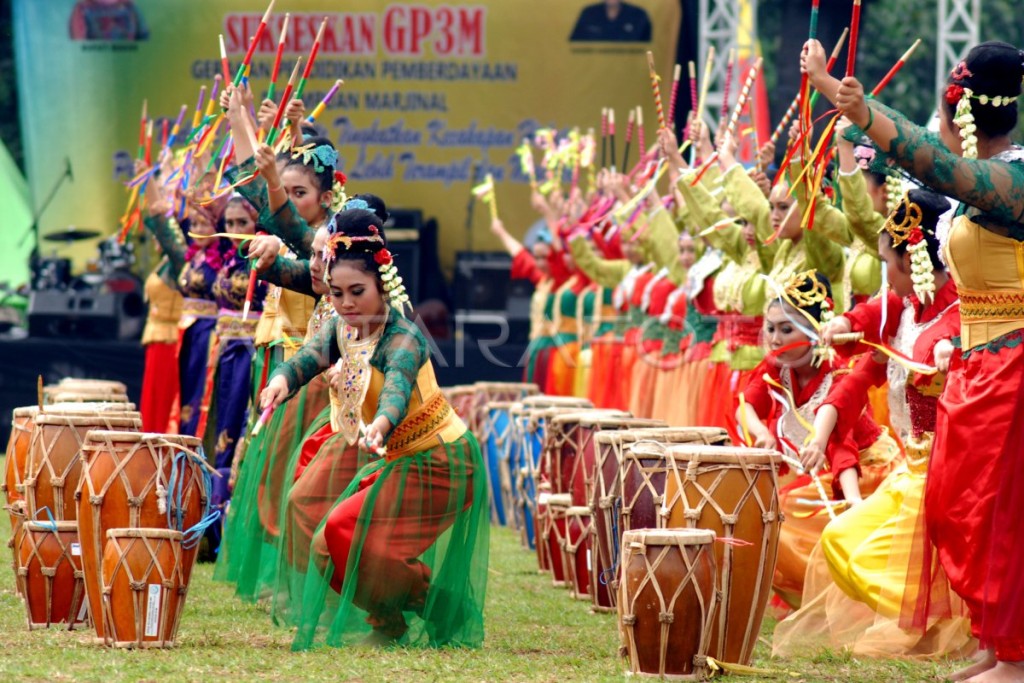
34 228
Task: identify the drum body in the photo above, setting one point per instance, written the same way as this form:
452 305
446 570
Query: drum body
16 463
50 573
55 458
137 481
497 433
143 587
733 492
667 601
577 553
606 497
558 505
542 524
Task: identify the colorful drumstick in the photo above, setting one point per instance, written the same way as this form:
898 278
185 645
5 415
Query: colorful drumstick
285 99
177 126
493 199
656 89
164 132
851 53
142 132
309 68
846 338
895 69
225 68
673 96
604 137
264 416
197 116
640 131
250 291
706 83
277 58
244 66
322 105
630 120
149 143
727 88
741 99
611 134
704 168
213 97
691 69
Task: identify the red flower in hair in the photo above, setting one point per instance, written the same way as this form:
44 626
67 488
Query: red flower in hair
915 236
831 304
953 93
341 178
961 72
382 257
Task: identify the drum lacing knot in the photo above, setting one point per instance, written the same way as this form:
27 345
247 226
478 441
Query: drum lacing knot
137 585
96 500
22 571
606 502
730 519
161 499
768 517
628 619
691 469
78 496
48 571
56 481
167 583
107 590
30 481
79 574
658 500
20 488
623 651
666 617
692 515
134 501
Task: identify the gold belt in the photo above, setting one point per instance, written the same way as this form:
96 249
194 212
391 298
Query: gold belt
432 424
199 308
231 326
1004 305
919 450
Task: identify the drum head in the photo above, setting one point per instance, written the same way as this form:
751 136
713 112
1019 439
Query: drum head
669 536
724 454
145 533
560 500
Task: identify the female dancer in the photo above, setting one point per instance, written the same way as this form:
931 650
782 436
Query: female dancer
406 545
777 408
872 549
976 474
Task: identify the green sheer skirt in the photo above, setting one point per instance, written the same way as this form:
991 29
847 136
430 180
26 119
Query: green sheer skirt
403 553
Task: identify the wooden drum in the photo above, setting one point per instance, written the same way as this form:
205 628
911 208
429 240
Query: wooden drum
554 536
16 463
133 480
667 601
606 497
55 457
733 492
576 556
50 573
143 587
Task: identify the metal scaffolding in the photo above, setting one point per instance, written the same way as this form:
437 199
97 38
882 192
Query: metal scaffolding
959 22
720 25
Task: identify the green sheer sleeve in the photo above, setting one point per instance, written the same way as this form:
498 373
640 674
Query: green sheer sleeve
171 241
994 187
401 353
605 272
315 356
291 274
829 222
864 221
287 224
254 191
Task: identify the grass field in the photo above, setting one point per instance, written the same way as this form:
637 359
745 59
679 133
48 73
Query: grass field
534 633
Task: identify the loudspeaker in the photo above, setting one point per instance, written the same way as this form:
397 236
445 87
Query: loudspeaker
481 280
403 232
86 314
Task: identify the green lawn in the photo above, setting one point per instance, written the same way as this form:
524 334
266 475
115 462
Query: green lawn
534 633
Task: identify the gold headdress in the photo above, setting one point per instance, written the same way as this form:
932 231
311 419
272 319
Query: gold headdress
802 298
904 230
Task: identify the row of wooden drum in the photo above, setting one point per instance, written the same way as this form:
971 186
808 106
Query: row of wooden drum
673 528
104 518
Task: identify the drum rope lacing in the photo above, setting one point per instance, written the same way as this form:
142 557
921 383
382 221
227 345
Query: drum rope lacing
176 491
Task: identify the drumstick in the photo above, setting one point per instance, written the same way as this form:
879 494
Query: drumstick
826 501
39 392
847 338
264 416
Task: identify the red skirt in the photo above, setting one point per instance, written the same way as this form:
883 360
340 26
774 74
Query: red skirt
160 388
975 492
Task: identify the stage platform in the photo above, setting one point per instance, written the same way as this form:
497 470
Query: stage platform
461 361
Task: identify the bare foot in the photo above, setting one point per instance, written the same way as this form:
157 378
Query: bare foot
1002 672
985 660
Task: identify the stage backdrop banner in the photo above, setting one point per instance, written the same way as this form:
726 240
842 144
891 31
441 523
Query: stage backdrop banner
434 91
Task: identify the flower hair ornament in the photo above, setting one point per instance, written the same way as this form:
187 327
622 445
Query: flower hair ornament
394 290
909 230
960 97
319 156
338 191
794 293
